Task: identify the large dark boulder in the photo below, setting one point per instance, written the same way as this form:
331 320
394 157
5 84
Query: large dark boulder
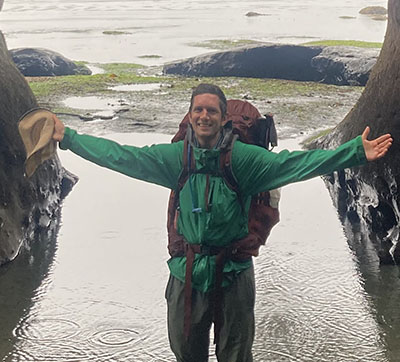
265 61
368 198
36 62
343 65
29 208
332 65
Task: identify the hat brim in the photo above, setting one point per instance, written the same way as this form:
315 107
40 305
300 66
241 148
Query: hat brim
36 128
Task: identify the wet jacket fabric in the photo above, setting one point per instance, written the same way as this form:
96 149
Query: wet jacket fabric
225 221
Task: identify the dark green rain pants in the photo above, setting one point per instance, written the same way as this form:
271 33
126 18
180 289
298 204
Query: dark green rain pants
237 333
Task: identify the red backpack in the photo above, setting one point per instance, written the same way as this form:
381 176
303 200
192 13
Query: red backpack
250 127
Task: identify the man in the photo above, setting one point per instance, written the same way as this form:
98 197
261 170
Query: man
210 214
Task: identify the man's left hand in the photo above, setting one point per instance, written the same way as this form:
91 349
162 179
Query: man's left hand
376 148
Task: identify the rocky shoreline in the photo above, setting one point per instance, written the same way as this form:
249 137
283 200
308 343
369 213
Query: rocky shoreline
337 65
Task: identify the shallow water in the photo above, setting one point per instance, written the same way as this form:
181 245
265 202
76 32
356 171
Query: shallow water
137 87
168 28
100 297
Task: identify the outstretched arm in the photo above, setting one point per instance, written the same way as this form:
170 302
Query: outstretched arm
261 170
159 164
377 147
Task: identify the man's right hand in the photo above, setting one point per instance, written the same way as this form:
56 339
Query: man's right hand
59 129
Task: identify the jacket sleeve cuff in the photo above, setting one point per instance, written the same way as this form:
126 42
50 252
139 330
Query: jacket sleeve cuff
361 151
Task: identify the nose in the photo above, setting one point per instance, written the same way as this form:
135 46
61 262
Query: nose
204 114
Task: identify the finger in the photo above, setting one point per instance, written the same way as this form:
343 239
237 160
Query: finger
385 143
384 138
365 133
383 148
382 153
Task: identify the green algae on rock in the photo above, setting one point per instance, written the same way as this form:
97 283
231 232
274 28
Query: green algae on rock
351 43
222 44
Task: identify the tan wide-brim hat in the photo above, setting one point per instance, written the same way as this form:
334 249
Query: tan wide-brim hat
36 128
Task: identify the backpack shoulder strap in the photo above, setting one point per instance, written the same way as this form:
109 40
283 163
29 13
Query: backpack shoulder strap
225 164
188 162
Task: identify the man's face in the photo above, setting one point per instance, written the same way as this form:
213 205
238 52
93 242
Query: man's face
206 119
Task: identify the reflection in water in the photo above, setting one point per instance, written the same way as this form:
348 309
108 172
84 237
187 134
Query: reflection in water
104 297
22 283
382 283
310 304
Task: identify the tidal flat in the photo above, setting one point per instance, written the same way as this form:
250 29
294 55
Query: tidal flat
136 98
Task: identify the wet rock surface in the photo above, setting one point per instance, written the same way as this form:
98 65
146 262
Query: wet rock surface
337 65
28 207
266 61
368 197
342 65
36 62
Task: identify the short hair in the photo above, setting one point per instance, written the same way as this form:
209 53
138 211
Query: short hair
205 88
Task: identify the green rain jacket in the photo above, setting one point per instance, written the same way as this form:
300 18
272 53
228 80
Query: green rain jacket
255 169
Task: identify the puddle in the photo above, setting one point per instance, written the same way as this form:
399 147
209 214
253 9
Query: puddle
136 87
91 102
104 108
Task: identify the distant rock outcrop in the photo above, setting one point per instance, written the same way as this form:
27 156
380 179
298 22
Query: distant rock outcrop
253 14
331 65
373 10
37 62
29 208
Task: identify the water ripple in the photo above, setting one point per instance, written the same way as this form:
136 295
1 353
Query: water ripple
47 329
115 337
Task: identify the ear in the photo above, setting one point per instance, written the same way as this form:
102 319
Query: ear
224 120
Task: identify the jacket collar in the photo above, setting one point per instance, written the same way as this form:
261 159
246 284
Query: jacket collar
225 139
